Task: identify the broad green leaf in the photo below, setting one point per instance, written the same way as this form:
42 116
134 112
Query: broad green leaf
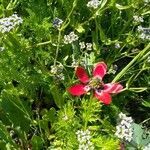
137 135
16 110
140 136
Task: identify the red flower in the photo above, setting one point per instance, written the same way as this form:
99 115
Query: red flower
101 91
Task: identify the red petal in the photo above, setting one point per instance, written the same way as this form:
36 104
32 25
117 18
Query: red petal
77 90
100 70
104 97
113 88
82 75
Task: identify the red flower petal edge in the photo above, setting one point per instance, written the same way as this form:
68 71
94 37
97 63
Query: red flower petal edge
100 70
77 90
82 75
113 88
103 97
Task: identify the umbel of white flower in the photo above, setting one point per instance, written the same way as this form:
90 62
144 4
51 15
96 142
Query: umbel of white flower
88 46
57 72
9 23
93 4
84 138
70 38
124 129
144 33
138 19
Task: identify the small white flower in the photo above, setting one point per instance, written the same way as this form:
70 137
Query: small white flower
140 28
144 33
89 46
75 63
122 116
117 46
70 38
82 45
93 4
53 69
56 71
84 138
142 36
138 19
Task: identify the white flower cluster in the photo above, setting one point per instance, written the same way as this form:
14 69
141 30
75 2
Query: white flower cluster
56 71
124 129
84 138
138 19
144 33
93 4
9 23
57 22
147 147
88 46
70 38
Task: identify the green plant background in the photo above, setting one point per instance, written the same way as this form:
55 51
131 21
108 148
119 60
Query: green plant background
33 102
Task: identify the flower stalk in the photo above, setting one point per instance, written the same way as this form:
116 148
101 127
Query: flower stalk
136 58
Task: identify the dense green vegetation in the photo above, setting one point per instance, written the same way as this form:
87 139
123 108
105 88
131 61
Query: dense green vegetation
42 43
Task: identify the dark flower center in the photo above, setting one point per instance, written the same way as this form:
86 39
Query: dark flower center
95 83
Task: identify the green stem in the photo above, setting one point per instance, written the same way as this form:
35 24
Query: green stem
39 44
94 15
11 5
65 24
124 70
57 49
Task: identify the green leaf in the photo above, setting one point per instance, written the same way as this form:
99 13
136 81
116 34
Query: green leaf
146 13
58 98
80 29
146 103
37 143
140 136
16 111
102 34
103 3
5 137
50 115
138 132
